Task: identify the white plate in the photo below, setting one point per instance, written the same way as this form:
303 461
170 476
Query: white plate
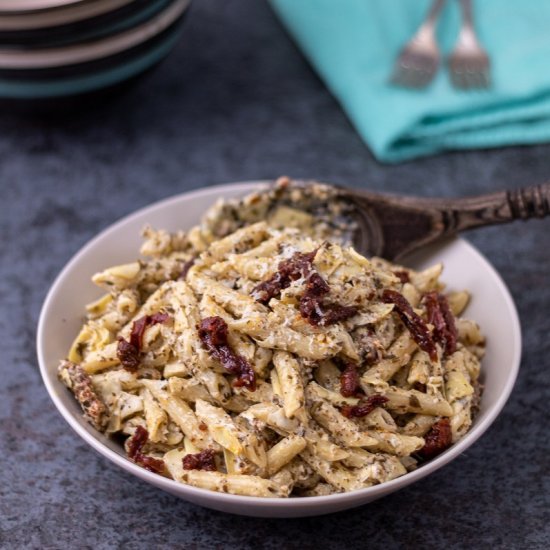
62 314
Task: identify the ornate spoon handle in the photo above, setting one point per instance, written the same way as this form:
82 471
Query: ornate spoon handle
392 225
494 208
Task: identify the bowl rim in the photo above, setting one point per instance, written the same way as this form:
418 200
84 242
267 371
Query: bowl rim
181 489
17 6
96 49
117 72
66 12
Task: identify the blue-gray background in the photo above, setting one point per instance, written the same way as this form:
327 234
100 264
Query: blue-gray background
236 101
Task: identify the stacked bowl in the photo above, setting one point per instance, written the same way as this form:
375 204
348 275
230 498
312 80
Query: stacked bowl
61 48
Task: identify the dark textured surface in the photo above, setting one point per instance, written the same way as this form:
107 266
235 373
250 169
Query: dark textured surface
236 101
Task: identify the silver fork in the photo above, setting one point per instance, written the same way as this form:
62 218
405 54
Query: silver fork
469 63
419 59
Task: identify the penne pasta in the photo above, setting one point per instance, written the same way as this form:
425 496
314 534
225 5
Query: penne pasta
217 481
288 374
283 452
259 354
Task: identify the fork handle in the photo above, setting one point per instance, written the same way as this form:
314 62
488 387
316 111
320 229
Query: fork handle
467 34
494 208
428 26
467 12
434 10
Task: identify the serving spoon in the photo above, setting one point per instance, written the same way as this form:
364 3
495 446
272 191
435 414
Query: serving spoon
391 226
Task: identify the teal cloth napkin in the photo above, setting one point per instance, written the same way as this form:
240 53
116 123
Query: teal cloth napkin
353 45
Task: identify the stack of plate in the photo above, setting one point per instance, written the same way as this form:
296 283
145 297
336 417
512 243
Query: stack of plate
60 48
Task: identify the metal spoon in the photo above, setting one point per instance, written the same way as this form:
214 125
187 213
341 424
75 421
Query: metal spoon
391 226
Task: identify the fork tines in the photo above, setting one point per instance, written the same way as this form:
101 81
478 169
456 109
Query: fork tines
416 66
469 63
470 70
419 59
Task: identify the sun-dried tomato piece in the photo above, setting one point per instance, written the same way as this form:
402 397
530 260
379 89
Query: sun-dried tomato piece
129 352
414 323
442 319
136 443
310 302
139 326
200 461
318 312
186 267
435 315
334 313
128 355
364 407
213 335
402 275
451 333
316 286
299 265
437 440
134 447
138 329
246 376
349 380
158 318
155 465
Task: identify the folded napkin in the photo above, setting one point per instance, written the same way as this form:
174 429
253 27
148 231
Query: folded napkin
353 45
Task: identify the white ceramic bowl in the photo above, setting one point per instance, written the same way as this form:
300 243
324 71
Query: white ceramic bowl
62 314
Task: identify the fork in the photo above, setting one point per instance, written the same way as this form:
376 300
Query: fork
419 59
469 63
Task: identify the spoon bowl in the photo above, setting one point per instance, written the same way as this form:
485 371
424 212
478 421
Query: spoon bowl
391 226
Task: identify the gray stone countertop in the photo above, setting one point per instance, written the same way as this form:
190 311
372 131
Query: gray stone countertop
236 101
